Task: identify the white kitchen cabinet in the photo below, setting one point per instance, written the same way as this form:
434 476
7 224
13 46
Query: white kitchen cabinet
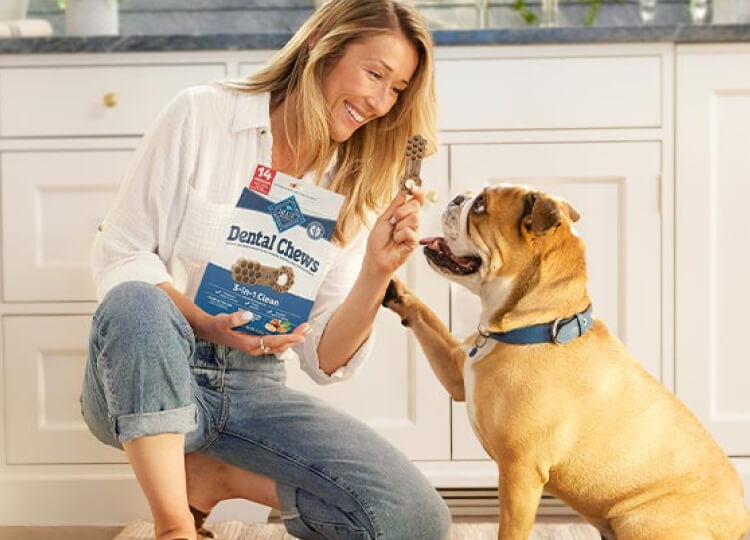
590 123
44 361
545 90
712 254
615 188
52 203
114 100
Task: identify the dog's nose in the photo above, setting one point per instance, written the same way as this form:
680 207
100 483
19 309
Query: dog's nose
457 200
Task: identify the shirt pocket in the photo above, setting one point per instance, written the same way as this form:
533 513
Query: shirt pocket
202 229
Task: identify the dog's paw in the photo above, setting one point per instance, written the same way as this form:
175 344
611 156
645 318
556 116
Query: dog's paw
399 300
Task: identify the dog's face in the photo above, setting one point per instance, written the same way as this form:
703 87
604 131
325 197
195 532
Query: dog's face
495 241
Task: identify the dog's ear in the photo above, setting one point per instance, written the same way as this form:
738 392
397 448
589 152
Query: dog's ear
543 213
572 212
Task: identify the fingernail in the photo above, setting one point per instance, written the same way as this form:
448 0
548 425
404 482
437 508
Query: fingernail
246 315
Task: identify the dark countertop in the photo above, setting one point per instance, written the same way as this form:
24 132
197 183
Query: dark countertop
499 36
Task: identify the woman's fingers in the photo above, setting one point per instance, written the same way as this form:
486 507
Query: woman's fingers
397 201
409 222
406 209
406 236
254 344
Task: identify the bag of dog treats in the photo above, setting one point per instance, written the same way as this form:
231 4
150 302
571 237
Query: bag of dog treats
271 260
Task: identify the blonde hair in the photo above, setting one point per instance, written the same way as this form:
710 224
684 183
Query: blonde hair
369 163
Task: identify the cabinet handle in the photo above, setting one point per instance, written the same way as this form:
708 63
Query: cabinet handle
110 99
431 197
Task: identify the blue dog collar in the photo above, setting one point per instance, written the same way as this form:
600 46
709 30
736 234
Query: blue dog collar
559 332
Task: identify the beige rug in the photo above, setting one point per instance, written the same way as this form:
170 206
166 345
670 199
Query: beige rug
234 530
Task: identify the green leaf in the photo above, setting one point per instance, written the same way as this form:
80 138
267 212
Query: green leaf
526 14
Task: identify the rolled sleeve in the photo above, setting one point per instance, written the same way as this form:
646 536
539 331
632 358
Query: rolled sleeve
333 291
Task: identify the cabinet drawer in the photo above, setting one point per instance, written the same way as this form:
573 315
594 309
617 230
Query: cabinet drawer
52 203
549 93
96 100
44 359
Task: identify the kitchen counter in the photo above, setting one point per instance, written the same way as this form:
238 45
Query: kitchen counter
498 36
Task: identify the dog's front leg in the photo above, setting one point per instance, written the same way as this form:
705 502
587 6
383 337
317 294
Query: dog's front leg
442 350
519 491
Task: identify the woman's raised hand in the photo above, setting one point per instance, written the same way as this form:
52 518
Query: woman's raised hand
394 236
220 329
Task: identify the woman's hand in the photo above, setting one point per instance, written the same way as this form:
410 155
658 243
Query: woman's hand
394 236
219 329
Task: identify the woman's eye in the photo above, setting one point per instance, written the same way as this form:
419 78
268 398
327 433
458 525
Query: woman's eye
375 74
480 205
398 91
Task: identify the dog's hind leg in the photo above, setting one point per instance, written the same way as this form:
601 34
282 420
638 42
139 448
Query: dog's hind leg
520 490
443 351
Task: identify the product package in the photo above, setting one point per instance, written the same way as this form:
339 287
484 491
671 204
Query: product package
271 260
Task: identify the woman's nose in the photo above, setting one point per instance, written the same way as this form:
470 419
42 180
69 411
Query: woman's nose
379 102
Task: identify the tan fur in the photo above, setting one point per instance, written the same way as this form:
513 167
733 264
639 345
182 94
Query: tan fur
582 421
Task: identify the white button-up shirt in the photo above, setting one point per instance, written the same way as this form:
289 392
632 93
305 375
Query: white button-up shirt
178 194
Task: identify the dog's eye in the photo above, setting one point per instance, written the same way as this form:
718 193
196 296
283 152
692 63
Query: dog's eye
479 206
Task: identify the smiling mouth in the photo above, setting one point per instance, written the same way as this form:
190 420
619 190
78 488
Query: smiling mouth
353 114
437 251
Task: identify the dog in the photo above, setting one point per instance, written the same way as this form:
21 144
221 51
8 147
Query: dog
553 396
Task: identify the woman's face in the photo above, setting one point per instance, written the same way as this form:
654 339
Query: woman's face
366 80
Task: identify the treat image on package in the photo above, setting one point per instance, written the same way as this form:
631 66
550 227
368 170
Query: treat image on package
252 272
274 253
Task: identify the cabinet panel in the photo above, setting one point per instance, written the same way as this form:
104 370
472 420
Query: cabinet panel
60 104
396 392
615 187
44 359
52 204
550 93
712 260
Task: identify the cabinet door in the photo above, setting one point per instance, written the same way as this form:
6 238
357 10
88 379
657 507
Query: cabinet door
615 187
52 203
395 391
93 100
44 359
713 259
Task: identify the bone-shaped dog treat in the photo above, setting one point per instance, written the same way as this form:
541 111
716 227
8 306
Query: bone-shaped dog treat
415 149
253 273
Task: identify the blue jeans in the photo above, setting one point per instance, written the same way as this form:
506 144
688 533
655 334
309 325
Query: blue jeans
336 478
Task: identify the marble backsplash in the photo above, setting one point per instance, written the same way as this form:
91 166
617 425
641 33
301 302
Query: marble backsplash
170 17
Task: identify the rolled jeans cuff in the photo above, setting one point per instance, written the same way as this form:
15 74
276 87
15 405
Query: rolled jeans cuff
290 514
133 426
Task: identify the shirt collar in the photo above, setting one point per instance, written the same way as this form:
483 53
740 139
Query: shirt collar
251 111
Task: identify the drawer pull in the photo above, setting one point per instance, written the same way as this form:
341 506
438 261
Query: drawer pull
110 99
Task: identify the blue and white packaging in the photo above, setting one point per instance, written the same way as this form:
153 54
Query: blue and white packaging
271 260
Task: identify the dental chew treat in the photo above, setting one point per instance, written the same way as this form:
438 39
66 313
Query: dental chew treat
415 149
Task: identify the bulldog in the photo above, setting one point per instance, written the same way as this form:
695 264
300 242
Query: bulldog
553 396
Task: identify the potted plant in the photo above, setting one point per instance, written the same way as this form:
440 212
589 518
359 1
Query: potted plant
91 17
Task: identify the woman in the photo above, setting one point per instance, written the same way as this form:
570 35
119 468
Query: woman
164 378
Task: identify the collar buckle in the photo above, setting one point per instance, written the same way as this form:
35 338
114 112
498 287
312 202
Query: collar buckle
554 332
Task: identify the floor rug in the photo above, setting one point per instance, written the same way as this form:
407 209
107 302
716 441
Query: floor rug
234 530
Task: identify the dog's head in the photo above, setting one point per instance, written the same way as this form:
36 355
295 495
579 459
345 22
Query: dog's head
508 242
